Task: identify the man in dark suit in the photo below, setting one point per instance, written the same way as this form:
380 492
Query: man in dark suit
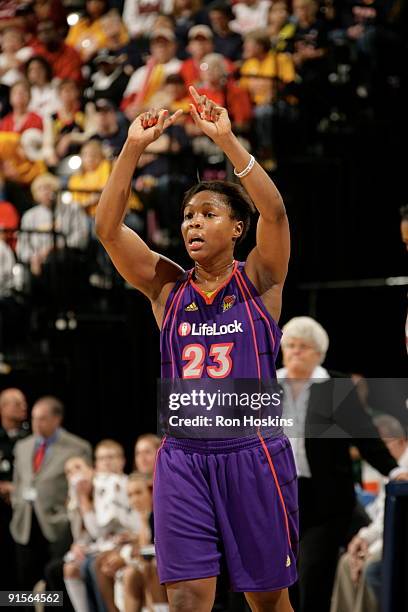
329 418
13 427
40 525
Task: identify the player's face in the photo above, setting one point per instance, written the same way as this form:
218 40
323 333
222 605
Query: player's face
207 228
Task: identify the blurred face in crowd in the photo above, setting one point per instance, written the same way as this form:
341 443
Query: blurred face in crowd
219 21
300 357
20 97
11 41
163 21
253 49
175 91
92 156
404 232
43 422
47 33
304 11
45 193
95 8
36 73
109 460
112 25
43 9
199 46
107 122
278 14
162 50
77 468
140 497
69 94
145 456
212 73
13 406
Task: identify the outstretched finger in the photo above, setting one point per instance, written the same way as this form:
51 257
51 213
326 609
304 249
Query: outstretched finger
162 118
194 94
170 120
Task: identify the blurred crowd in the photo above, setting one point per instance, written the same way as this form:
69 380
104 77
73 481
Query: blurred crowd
74 74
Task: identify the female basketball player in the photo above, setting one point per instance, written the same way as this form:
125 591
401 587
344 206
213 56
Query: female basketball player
235 498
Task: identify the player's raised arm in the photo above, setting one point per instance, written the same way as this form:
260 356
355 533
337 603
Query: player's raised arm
135 261
267 264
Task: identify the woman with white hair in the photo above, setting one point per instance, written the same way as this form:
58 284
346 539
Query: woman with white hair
304 347
328 417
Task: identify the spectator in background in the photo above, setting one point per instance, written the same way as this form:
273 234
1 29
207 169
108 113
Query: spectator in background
146 448
50 10
62 127
109 80
13 427
309 56
351 592
139 15
13 56
281 29
226 42
20 118
149 79
224 91
47 215
7 261
320 407
88 36
44 93
19 168
40 524
14 14
200 43
128 52
264 75
250 15
187 13
92 177
65 61
110 131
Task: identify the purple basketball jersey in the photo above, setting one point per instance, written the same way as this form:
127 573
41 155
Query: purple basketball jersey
229 334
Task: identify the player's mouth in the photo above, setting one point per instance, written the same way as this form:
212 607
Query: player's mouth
195 243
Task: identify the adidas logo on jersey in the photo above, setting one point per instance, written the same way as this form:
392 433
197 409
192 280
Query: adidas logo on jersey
204 329
191 307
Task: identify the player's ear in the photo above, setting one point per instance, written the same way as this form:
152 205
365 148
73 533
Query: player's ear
238 229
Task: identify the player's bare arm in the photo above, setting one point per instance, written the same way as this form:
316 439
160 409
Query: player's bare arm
151 273
267 263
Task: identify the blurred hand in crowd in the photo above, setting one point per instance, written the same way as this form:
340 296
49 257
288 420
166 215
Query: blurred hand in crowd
112 563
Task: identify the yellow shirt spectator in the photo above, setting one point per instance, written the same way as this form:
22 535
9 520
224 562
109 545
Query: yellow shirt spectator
257 75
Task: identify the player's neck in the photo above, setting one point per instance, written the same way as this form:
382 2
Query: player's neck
212 274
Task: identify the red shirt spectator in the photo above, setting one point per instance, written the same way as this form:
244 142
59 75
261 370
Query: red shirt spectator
9 220
65 61
9 123
20 118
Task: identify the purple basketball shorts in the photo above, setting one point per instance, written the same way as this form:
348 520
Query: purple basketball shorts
235 499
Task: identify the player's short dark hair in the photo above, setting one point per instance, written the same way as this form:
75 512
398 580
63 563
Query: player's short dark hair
404 212
234 195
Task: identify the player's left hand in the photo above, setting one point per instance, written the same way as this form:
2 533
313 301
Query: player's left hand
213 120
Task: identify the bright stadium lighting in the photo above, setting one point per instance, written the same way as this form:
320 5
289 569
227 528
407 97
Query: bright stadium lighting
72 19
75 162
66 197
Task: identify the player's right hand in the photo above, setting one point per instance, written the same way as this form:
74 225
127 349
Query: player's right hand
148 126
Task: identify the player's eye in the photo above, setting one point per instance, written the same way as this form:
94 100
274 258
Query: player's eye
188 216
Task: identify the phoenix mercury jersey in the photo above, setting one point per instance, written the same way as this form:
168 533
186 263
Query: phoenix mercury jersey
227 334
